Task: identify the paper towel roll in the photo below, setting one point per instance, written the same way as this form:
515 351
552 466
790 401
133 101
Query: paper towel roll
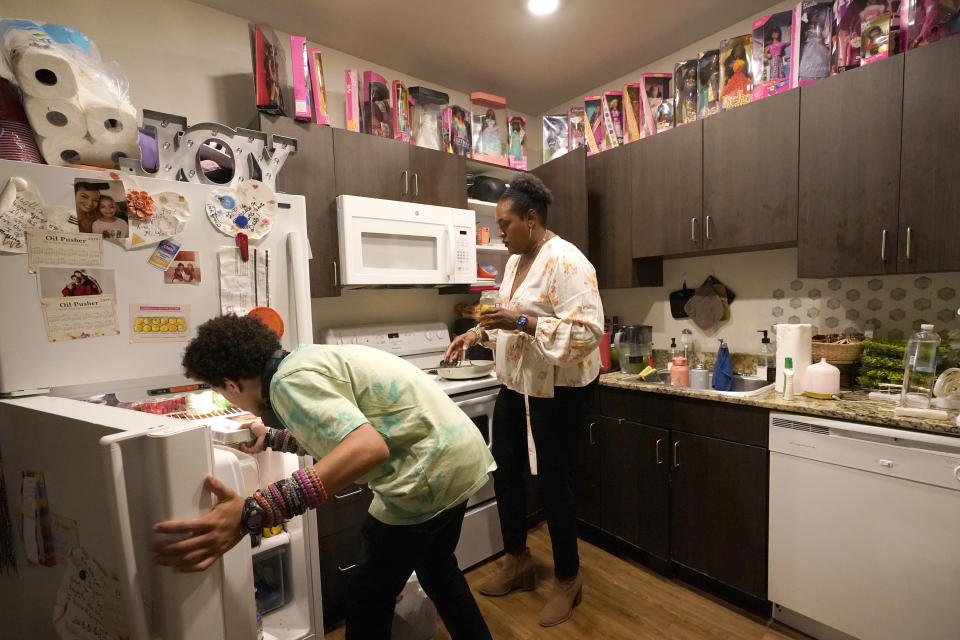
109 118
45 73
61 150
56 117
794 341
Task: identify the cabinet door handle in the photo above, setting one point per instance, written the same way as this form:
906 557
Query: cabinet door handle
590 430
345 569
706 228
693 229
336 276
405 176
347 495
676 456
883 246
909 240
659 457
416 185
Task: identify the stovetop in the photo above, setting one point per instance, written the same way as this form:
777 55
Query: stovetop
423 345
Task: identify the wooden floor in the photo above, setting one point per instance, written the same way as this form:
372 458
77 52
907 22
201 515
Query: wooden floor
620 602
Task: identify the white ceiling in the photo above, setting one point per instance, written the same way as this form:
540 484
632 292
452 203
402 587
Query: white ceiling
496 45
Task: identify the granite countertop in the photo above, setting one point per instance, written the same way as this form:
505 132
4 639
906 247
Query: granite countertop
855 407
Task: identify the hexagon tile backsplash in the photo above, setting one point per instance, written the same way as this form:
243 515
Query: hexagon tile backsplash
892 306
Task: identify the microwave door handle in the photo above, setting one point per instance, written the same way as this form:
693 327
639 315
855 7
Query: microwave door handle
452 268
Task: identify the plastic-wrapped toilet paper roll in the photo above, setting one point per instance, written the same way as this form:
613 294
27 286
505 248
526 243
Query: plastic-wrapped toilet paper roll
46 73
61 150
108 154
56 118
108 117
794 341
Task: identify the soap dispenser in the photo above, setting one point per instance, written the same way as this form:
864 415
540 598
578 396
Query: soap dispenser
673 353
766 360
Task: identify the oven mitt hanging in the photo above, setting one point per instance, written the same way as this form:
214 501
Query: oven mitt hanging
679 299
705 307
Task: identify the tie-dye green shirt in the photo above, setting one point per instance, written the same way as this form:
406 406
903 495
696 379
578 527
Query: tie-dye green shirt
438 458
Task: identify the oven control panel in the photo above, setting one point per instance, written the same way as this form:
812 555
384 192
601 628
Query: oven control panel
400 340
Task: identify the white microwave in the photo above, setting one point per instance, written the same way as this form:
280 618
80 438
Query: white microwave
385 242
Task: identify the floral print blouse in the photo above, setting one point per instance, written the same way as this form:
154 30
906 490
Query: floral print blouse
561 291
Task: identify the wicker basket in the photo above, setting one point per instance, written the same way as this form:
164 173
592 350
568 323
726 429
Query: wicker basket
836 353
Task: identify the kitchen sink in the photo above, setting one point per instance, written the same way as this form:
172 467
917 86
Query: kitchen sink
747 387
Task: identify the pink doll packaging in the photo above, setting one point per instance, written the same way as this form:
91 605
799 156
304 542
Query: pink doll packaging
489 127
517 147
300 66
319 87
736 74
576 128
401 112
812 38
657 103
845 52
772 50
461 130
708 83
685 92
875 40
593 111
613 118
926 21
632 112
446 129
376 108
352 94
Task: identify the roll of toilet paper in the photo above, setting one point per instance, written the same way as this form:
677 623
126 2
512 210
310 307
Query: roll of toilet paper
55 117
794 341
46 72
109 118
61 150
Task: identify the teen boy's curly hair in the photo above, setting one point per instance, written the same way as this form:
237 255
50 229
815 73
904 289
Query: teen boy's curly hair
229 347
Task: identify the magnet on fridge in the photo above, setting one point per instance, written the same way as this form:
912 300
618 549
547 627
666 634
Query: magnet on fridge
269 317
244 245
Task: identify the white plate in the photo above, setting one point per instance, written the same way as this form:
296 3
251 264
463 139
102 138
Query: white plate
476 369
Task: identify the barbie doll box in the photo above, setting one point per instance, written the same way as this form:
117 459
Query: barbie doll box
426 117
593 112
736 75
926 21
685 91
401 112
708 83
576 128
376 109
489 128
613 118
632 112
772 49
657 103
812 38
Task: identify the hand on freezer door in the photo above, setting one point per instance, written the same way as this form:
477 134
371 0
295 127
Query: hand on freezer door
208 537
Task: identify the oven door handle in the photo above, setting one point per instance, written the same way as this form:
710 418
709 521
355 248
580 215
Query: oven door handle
475 402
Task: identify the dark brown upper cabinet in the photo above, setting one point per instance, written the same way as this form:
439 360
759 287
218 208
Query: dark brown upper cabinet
750 174
850 127
309 172
929 185
667 192
566 178
437 178
609 205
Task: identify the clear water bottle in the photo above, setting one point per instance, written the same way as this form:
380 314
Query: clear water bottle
920 368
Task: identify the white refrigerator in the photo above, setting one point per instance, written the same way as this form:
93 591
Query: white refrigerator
84 482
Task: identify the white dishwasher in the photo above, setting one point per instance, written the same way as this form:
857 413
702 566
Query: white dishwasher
864 530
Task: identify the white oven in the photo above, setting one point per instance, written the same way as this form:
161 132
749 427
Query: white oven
478 406
391 243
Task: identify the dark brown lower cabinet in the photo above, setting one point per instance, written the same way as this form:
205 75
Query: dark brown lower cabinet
719 510
588 483
340 522
634 484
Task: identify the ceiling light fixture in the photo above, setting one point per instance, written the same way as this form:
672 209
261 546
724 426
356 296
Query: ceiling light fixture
542 7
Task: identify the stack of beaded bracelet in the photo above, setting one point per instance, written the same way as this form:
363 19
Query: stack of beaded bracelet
291 497
280 440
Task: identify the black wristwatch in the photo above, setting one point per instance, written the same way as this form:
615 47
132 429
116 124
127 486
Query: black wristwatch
252 519
522 322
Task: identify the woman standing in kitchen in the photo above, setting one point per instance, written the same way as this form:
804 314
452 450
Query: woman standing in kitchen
545 337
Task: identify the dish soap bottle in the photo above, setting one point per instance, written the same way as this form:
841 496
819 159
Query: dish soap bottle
673 353
766 360
920 368
788 378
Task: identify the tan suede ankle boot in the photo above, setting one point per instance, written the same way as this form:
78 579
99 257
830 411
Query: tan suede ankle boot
566 595
515 572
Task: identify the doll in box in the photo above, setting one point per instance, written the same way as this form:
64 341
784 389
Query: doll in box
685 83
926 21
708 83
517 151
773 55
490 135
816 24
736 78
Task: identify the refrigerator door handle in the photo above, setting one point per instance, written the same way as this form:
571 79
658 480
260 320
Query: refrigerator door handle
118 508
301 288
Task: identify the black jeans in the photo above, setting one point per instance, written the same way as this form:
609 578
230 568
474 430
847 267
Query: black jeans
554 422
389 554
